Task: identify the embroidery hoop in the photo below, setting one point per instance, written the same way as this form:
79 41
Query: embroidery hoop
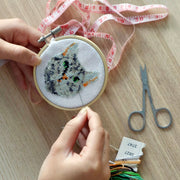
97 49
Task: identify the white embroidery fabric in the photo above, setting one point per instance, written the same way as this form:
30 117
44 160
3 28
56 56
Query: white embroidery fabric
88 57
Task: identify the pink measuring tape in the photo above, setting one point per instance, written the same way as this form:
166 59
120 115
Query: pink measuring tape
110 12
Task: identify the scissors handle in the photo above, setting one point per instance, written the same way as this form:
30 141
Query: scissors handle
156 111
138 113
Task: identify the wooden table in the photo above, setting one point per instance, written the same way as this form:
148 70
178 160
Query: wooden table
27 131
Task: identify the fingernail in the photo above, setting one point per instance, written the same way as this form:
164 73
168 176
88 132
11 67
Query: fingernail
35 60
73 116
82 111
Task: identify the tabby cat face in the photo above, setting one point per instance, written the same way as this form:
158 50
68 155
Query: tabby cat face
65 76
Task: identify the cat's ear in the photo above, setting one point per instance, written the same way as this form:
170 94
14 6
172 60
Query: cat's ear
89 77
71 50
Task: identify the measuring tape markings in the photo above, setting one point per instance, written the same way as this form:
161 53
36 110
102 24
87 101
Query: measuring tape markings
108 11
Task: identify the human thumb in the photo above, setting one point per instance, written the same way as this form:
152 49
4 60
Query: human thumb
18 53
69 135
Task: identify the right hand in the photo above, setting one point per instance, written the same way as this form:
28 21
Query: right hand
62 163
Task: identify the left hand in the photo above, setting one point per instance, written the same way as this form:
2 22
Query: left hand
19 44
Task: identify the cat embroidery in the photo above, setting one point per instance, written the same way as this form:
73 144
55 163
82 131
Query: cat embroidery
65 76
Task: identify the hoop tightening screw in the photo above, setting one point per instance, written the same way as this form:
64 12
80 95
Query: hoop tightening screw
52 33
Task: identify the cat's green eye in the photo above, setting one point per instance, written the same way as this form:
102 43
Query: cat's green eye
76 79
66 64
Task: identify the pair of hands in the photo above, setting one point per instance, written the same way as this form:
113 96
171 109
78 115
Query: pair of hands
18 43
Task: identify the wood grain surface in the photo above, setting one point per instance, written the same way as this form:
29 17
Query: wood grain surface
27 131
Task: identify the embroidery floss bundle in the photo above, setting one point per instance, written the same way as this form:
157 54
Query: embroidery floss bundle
121 175
127 160
121 171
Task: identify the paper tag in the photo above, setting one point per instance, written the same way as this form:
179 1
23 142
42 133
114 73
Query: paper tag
130 149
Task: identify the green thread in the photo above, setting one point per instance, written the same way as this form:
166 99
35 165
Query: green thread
65 64
129 175
75 79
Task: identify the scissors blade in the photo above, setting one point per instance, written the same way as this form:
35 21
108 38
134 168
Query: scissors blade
142 73
144 76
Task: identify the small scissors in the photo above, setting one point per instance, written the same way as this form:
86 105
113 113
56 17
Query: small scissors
155 111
